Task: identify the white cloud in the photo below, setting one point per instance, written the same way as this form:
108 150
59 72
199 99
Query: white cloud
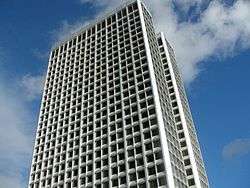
236 148
15 139
185 5
16 125
105 3
10 182
66 30
219 32
215 34
40 55
32 86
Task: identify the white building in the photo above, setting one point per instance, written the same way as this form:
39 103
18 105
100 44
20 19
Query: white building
107 117
190 148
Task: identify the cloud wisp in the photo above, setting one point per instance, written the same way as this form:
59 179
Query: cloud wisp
66 30
17 124
15 142
32 86
236 148
219 30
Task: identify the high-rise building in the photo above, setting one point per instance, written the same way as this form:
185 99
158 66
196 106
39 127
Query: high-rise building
108 116
190 148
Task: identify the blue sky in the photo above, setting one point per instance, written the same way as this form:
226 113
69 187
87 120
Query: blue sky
212 44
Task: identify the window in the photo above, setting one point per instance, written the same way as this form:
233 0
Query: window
187 162
151 170
162 181
183 144
191 182
153 183
114 182
141 174
132 177
185 152
131 164
189 172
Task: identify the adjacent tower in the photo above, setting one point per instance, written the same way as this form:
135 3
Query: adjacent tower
107 117
190 148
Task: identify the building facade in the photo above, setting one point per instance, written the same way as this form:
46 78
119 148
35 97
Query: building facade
190 148
107 117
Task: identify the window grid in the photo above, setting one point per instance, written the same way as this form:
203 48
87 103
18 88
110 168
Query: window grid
188 117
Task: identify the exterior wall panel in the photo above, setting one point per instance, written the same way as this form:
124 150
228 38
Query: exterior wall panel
190 148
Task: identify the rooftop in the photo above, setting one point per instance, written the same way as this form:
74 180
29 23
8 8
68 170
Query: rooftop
93 23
